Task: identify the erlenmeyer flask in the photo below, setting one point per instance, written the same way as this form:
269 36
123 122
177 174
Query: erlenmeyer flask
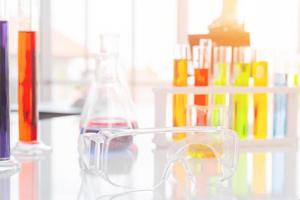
108 104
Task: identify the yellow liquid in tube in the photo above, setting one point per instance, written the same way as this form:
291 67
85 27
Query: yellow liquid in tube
179 100
260 76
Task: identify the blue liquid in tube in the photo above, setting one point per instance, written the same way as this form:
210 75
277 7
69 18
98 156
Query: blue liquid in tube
280 108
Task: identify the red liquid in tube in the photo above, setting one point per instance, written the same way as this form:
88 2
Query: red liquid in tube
27 93
201 79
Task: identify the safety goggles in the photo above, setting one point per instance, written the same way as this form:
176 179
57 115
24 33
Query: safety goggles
130 159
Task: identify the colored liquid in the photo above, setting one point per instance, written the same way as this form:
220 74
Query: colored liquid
280 108
296 79
220 79
200 151
239 180
201 79
179 100
114 124
28 115
260 76
4 91
240 101
259 173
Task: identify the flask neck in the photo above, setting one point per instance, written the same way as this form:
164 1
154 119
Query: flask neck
107 67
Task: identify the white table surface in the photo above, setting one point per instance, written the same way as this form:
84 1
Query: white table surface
270 174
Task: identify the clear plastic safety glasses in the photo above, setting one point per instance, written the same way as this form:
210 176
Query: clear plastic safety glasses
130 159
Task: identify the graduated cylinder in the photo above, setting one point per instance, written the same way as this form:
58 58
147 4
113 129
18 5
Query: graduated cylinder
27 92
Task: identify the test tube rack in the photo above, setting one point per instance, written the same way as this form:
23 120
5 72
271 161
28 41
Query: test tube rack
291 138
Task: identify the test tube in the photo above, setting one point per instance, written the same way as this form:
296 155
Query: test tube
221 68
27 87
280 103
260 79
201 76
180 75
241 77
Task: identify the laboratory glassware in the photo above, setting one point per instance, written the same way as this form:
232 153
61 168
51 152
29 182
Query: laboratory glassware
108 104
193 118
98 151
241 76
29 144
202 75
7 164
280 107
180 75
260 101
221 71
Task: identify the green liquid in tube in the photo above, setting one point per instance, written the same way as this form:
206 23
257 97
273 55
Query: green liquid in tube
219 99
240 101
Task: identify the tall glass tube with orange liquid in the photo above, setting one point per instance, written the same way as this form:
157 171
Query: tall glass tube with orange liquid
221 69
27 94
180 75
203 63
27 88
260 101
241 77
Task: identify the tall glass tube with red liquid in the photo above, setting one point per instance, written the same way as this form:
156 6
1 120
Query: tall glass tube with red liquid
201 77
6 163
28 145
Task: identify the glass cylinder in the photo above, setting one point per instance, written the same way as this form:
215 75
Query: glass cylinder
203 63
29 143
241 76
180 75
27 90
4 91
7 165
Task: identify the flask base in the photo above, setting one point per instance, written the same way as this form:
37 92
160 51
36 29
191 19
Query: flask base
8 167
32 150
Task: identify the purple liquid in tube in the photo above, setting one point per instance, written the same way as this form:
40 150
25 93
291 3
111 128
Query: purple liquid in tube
4 93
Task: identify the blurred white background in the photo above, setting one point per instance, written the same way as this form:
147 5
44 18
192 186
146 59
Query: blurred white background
69 31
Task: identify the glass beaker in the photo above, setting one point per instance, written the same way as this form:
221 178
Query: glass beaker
108 104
